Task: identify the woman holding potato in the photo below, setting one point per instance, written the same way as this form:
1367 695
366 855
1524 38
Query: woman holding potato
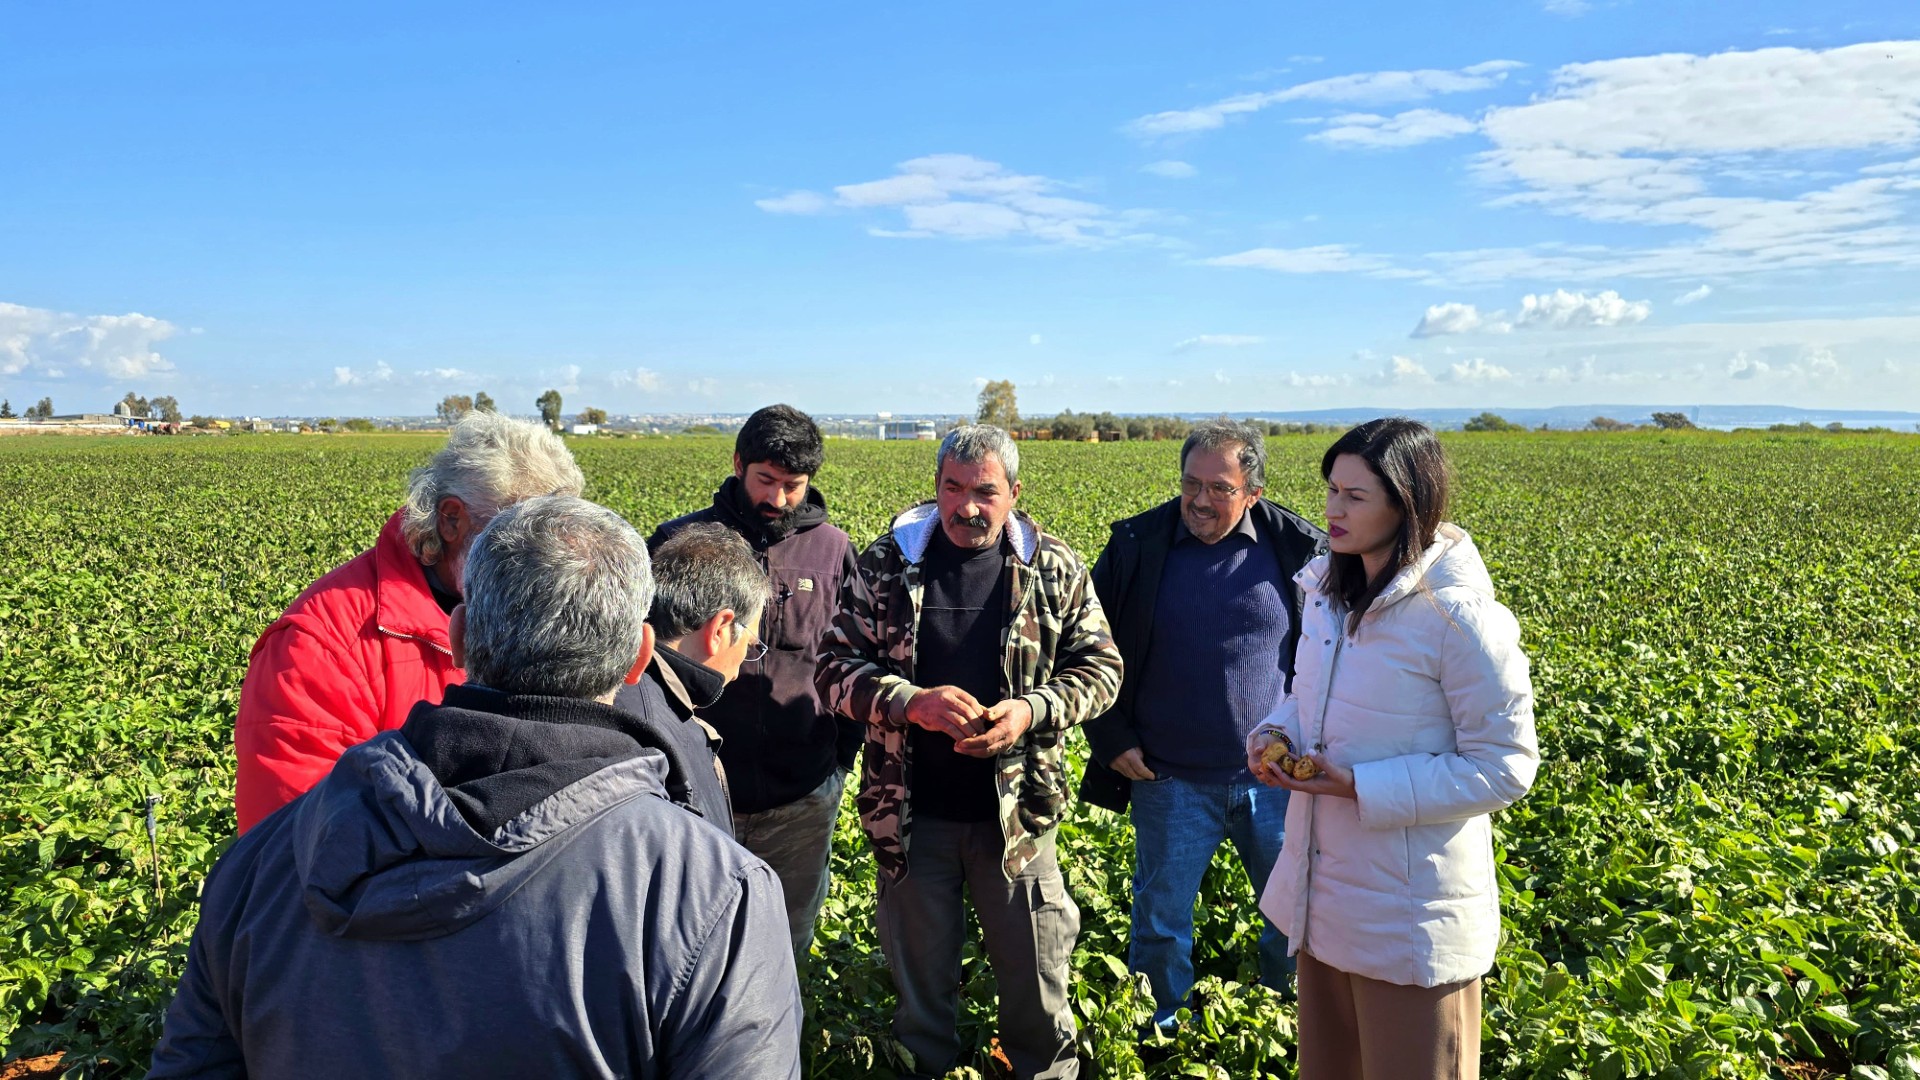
1409 722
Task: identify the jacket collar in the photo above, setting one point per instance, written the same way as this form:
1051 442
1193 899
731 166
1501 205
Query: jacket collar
689 684
1450 561
403 603
913 531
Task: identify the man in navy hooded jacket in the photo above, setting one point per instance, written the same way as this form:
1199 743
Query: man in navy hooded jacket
502 887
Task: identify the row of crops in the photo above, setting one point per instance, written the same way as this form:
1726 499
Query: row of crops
1716 874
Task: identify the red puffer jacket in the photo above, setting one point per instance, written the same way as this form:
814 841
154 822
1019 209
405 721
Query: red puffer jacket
347 661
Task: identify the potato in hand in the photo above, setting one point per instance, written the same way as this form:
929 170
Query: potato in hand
1280 754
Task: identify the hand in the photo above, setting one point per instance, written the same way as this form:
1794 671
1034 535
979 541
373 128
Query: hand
1006 722
1256 758
1132 765
948 710
1333 780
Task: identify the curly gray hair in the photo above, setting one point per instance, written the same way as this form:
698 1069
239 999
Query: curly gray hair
489 463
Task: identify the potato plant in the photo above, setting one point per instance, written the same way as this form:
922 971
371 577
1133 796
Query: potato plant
1715 876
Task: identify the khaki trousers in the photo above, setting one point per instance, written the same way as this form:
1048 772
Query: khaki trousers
1356 1028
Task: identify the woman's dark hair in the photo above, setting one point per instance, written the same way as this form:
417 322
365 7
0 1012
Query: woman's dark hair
783 435
1413 472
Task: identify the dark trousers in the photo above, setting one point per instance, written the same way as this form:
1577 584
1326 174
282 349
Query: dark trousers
1029 923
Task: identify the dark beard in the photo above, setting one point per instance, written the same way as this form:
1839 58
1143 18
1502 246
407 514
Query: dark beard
778 524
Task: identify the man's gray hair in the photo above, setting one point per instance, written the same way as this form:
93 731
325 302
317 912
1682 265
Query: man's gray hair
1220 436
971 444
557 590
489 463
698 572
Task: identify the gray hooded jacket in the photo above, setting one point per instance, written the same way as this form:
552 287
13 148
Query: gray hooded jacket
368 929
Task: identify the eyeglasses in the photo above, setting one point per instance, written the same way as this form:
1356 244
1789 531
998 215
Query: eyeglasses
756 652
1191 488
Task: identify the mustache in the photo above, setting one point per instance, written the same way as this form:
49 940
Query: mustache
977 521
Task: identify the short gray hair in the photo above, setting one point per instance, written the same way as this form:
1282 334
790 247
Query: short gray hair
489 463
698 572
971 444
557 590
1219 436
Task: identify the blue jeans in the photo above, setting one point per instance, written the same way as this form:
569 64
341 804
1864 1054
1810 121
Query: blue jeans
1177 826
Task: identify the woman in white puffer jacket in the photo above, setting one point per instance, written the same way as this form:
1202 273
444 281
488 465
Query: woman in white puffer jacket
1411 694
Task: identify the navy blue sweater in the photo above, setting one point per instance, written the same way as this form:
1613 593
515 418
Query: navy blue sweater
1214 670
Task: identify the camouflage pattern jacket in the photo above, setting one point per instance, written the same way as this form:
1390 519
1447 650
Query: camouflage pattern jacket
1059 658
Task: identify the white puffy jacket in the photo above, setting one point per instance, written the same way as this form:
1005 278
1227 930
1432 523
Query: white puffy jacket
1431 707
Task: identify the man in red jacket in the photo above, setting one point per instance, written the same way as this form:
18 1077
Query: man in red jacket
368 641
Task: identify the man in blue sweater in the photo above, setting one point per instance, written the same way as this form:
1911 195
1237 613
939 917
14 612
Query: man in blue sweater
1205 612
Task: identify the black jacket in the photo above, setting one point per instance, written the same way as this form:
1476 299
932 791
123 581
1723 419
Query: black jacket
777 743
501 888
662 706
1127 579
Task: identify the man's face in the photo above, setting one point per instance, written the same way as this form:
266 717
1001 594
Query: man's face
745 640
975 502
1214 493
775 493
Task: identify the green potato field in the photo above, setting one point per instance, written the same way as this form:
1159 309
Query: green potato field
1717 873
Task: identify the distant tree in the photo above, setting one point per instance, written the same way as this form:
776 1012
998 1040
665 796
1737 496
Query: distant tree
200 421
453 407
135 404
1070 425
483 402
702 429
166 408
1608 423
549 405
1106 422
998 405
41 411
6 409
591 415
1836 427
1487 421
359 424
1672 421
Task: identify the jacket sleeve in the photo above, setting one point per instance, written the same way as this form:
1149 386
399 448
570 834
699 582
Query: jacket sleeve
851 734
302 704
1085 678
1490 696
1111 733
855 678
739 1011
196 1041
1285 719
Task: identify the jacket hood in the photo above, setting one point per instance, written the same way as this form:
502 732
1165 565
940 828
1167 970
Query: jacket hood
731 504
1451 562
382 852
913 531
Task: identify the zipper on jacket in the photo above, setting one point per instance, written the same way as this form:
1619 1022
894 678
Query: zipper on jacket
429 642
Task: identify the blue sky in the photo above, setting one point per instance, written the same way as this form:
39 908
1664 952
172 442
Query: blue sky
1135 207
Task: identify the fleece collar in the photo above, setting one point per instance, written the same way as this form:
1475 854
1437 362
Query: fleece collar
913 531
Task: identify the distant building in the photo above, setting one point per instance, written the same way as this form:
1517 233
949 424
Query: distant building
907 429
583 429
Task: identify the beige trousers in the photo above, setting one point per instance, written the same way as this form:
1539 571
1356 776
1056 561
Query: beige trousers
1356 1028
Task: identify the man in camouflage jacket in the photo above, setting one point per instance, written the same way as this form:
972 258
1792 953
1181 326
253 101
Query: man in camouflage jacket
1027 658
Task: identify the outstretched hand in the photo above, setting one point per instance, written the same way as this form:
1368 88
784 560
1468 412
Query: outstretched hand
948 710
1333 779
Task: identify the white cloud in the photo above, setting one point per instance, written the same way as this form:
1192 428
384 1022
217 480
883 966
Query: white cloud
1820 362
1643 140
706 387
52 342
569 378
1324 259
1034 339
1203 341
1404 129
1365 88
961 197
1560 310
1476 370
1221 377
1742 366
1403 369
795 202
643 379
382 372
1172 170
1693 296
1298 381
448 374
1569 8
1452 318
